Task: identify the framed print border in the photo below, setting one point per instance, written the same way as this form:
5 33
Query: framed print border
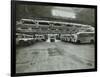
13 35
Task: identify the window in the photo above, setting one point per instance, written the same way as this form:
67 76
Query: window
20 36
86 35
28 22
89 30
53 29
91 35
35 28
69 25
78 26
28 36
43 23
57 24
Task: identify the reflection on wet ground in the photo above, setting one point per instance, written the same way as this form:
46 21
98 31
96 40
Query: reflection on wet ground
56 56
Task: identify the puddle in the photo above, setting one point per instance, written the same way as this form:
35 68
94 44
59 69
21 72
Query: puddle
53 52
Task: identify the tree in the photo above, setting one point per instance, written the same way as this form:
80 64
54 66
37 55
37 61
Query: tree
87 16
29 11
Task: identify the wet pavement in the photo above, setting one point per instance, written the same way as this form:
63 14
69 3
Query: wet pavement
54 56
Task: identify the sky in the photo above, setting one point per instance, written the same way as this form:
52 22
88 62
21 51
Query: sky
66 12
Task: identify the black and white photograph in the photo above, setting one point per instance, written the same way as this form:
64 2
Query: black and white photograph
54 38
